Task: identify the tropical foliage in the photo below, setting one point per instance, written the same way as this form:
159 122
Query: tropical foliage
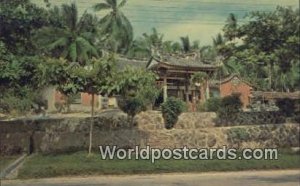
18 19
268 51
74 40
136 89
116 25
153 44
171 109
148 45
55 45
229 107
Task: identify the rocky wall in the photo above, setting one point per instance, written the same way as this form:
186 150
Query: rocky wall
195 130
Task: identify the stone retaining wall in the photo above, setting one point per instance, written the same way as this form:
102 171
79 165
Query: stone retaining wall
153 120
252 118
192 130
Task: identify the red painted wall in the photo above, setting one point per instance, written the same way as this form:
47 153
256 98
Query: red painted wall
228 88
59 97
86 99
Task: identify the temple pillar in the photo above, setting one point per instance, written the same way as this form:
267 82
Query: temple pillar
165 88
207 90
187 90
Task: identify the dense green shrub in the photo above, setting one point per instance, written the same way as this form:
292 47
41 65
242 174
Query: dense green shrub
137 90
14 104
230 106
21 102
131 106
213 104
286 106
171 109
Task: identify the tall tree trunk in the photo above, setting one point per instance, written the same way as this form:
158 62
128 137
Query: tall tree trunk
91 124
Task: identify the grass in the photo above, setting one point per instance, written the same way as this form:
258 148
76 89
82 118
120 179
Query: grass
6 160
41 166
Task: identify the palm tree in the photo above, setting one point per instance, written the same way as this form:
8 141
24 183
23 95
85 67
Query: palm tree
230 29
186 45
185 42
154 41
150 44
223 52
176 46
73 40
116 25
207 53
218 40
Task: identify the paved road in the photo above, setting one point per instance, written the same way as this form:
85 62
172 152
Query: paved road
247 178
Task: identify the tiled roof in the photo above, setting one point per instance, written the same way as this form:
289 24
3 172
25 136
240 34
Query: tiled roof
182 61
188 61
175 61
226 79
121 63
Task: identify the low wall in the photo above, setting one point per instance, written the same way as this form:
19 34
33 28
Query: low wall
153 120
68 134
192 130
252 118
198 130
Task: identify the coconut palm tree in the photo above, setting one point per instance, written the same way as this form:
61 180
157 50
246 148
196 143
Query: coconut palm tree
186 45
116 25
73 40
230 29
218 40
149 45
222 53
154 41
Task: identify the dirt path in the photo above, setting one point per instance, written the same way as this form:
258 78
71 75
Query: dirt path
245 178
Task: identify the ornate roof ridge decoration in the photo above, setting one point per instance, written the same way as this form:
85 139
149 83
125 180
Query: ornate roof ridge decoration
122 62
180 61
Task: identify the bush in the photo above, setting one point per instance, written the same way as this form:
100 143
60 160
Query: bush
171 109
131 106
213 104
286 106
11 104
230 106
24 101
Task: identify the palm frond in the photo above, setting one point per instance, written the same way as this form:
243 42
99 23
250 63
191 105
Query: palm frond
86 46
185 41
70 15
61 42
123 2
73 52
112 3
101 6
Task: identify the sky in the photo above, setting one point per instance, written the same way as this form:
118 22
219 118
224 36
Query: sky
199 19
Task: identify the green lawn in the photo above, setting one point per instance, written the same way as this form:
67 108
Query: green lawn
6 160
38 166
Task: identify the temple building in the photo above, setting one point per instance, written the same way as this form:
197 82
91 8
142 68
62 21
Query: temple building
174 72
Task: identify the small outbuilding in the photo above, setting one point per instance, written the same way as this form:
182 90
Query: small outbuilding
232 84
